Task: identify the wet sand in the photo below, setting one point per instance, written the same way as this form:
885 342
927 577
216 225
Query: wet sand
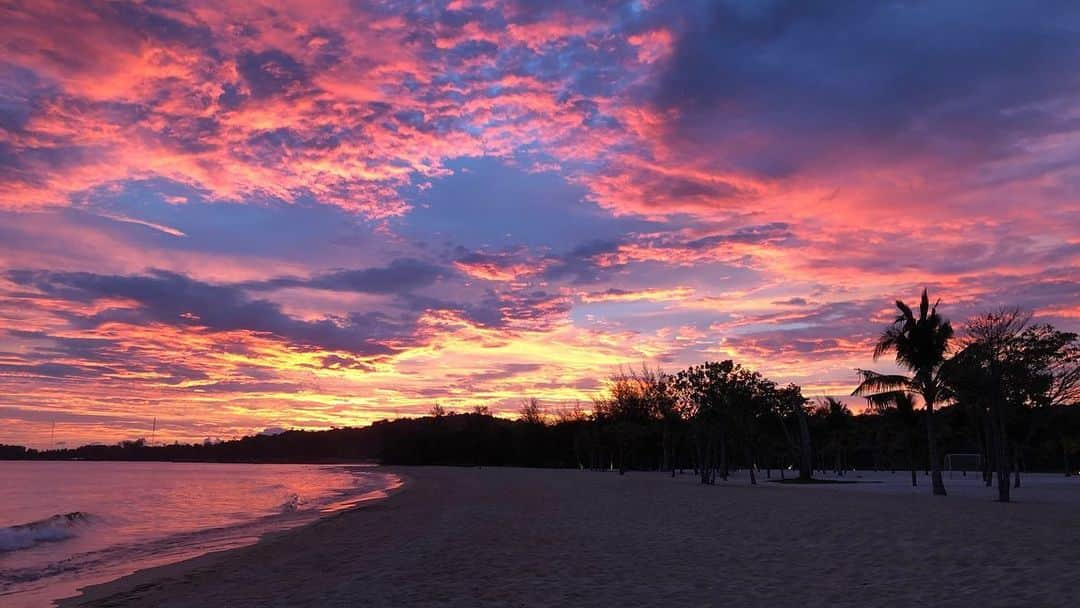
514 537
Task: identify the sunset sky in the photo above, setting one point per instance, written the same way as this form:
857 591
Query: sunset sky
232 216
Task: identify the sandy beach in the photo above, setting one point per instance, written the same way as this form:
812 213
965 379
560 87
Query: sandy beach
520 537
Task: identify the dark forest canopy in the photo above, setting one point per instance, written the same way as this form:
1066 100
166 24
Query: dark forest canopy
865 441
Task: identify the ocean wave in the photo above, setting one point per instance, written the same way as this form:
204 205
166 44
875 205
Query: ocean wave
52 529
124 553
290 505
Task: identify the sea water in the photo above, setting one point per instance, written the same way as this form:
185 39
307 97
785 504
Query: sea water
65 525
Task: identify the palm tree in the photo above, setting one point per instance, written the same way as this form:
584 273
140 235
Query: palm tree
920 344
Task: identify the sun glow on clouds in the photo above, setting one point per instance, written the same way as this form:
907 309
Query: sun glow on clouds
236 215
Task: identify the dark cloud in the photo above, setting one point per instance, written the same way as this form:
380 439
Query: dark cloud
472 49
61 416
271 72
174 299
788 82
775 233
1045 291
399 276
498 310
339 362
22 92
501 260
486 313
151 23
682 188
190 134
248 387
581 264
48 356
26 165
331 46
502 372
50 370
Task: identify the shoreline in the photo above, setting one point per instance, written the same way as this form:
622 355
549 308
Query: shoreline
149 575
495 537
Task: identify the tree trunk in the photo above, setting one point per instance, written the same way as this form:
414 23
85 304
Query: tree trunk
702 442
750 464
911 457
672 449
620 442
806 459
665 447
792 448
1016 466
712 459
1065 454
723 457
1001 462
1001 438
937 483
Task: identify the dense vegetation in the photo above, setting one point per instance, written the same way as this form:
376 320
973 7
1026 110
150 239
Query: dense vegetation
864 441
1008 392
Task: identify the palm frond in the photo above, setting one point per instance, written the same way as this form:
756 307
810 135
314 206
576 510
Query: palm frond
885 399
874 382
905 311
888 341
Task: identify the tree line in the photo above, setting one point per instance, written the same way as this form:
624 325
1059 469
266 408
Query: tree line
1011 378
1005 389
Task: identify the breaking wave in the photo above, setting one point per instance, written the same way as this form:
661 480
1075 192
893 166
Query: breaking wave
190 509
52 529
290 505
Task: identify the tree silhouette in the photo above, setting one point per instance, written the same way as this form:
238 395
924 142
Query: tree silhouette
838 421
636 400
1012 375
1022 383
898 407
532 412
724 401
919 345
789 402
701 392
751 398
1046 367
